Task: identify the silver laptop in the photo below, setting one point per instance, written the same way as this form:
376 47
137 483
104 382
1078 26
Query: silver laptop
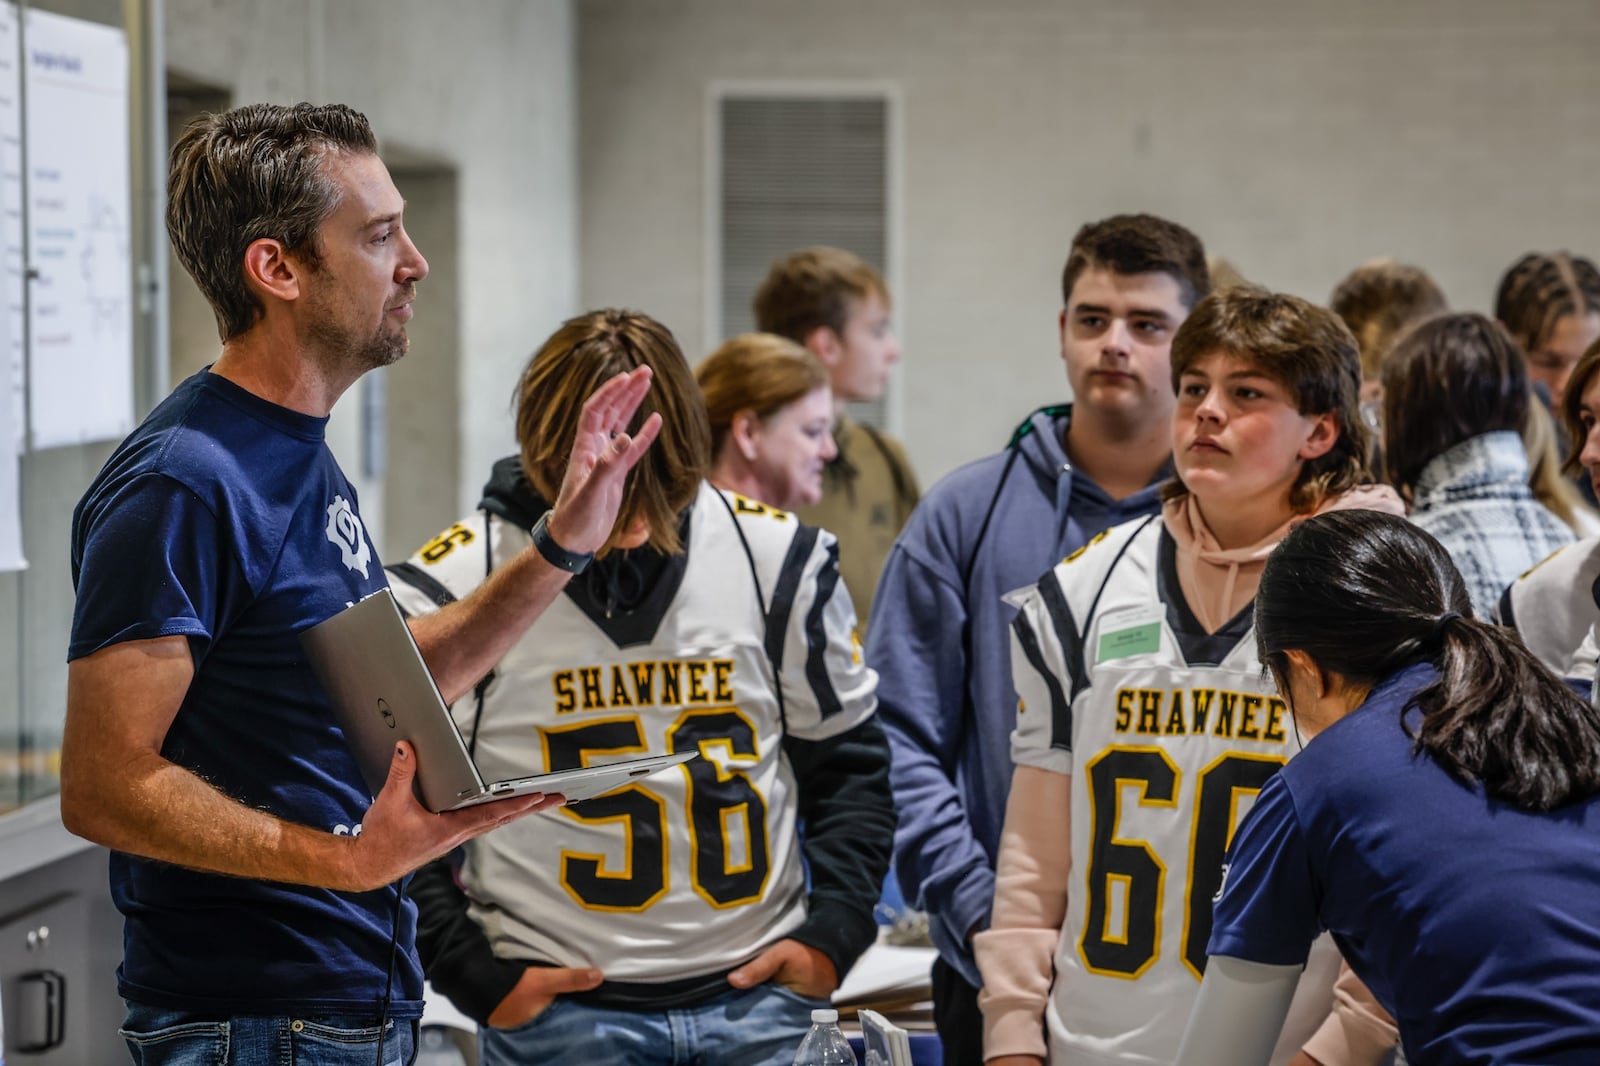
382 692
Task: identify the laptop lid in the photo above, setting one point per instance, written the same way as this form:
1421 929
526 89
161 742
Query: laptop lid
382 692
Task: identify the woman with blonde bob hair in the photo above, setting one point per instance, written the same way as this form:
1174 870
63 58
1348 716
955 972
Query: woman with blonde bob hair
771 412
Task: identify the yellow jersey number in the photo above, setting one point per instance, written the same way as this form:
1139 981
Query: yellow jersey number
445 543
1127 949
722 805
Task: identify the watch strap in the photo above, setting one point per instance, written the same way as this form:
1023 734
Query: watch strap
555 554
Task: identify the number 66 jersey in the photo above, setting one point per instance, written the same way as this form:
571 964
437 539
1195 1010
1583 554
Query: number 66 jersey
1168 734
690 872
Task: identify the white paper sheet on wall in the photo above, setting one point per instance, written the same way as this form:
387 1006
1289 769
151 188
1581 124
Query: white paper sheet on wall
80 311
12 399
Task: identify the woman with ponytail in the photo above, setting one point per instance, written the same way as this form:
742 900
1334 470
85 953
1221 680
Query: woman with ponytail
1443 821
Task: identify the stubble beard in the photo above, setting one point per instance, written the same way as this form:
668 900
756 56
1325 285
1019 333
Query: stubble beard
341 349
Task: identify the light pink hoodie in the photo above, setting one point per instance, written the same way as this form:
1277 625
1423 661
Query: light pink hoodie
1218 582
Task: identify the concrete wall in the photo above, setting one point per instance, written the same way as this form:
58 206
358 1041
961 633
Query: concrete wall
1296 139
487 89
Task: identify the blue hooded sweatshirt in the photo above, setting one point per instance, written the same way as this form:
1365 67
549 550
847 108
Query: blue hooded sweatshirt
942 649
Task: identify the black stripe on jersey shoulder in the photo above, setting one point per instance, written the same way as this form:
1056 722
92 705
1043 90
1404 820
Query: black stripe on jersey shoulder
1060 706
828 703
1066 627
424 582
783 597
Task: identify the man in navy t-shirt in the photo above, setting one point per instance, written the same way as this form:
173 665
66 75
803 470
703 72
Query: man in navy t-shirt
256 874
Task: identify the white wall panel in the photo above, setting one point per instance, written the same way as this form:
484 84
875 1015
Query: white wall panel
1297 139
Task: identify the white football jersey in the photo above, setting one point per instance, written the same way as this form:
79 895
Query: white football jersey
1553 608
695 869
1168 734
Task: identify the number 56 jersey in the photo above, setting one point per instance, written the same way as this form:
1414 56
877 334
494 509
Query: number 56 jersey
693 870
1168 734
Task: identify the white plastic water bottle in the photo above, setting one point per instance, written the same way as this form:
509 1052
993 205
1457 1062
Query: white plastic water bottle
825 1045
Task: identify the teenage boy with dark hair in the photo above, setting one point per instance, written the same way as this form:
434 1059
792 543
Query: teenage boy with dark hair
942 648
837 306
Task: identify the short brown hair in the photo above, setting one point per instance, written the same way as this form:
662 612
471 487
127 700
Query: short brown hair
814 287
1542 288
1378 300
1304 348
1139 244
1449 379
582 355
1572 404
757 372
251 173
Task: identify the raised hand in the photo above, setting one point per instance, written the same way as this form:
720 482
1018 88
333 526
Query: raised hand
586 508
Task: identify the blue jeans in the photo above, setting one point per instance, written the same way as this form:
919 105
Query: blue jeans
157 1036
760 1026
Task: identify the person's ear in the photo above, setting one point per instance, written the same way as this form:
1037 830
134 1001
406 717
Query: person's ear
745 432
1323 436
270 272
825 344
1303 670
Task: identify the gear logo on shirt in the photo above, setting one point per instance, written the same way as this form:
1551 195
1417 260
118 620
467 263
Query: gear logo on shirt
345 531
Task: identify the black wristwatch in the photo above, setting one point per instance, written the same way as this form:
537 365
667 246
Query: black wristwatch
555 554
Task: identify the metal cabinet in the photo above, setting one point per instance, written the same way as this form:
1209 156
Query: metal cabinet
44 975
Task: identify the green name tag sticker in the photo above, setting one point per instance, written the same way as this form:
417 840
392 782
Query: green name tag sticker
1137 640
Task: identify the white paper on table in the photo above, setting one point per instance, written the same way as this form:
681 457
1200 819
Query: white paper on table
888 971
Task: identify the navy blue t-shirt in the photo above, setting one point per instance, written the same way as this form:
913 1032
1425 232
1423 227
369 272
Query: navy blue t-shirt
224 519
1476 924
